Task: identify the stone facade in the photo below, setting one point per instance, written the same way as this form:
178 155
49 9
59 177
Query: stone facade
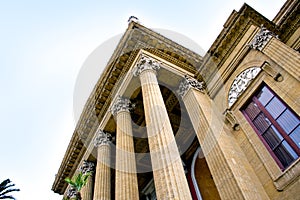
143 130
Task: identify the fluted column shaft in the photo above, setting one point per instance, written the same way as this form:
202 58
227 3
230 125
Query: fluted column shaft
87 190
169 177
126 186
230 169
102 189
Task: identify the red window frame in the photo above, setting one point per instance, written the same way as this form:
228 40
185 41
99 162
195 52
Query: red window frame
273 122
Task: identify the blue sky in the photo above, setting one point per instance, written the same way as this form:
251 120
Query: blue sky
42 48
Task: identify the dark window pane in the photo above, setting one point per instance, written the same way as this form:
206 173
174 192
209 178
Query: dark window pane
295 135
252 110
275 107
285 124
288 121
264 96
285 154
272 137
261 123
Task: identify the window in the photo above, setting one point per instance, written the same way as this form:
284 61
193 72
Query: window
276 125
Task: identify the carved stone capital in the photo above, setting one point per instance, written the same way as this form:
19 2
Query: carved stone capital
189 82
146 63
229 116
121 104
102 138
72 193
261 38
87 167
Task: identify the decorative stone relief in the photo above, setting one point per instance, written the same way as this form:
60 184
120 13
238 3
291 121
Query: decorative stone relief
240 83
102 138
232 120
261 38
87 167
121 104
146 63
189 82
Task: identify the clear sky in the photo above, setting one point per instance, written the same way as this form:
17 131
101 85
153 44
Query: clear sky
43 45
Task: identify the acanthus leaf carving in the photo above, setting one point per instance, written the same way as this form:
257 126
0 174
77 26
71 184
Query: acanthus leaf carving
261 38
72 193
189 82
146 63
87 167
121 104
102 138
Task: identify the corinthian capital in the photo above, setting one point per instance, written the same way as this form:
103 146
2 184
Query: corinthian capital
189 82
102 138
121 104
146 63
261 39
71 193
87 167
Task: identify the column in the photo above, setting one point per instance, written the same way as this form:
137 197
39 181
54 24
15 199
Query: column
126 186
169 177
87 190
102 177
231 171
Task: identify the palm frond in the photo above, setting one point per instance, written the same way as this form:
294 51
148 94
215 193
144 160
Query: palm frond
5 187
3 184
78 181
7 197
68 180
9 190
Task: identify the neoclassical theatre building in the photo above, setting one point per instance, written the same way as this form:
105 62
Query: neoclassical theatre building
163 122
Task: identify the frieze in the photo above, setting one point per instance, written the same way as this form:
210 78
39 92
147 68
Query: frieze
240 84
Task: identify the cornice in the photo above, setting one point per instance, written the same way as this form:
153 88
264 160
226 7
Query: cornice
290 21
135 38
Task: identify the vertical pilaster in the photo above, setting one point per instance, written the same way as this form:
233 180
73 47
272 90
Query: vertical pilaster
88 189
285 56
126 178
231 171
169 177
103 175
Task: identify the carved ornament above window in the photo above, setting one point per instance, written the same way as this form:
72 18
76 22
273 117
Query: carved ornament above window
240 84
